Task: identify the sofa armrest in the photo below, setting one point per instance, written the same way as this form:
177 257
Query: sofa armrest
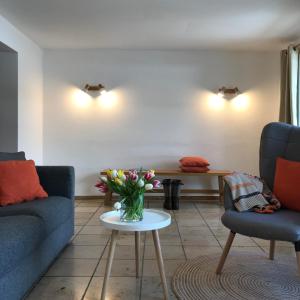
57 180
228 201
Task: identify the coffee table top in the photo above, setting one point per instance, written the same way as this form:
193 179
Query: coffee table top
153 219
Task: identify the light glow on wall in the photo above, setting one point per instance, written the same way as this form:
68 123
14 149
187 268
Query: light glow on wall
241 102
108 100
216 102
81 99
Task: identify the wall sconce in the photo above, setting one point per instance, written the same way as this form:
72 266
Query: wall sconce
95 88
228 92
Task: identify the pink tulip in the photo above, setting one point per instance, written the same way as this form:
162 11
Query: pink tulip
132 172
156 183
133 175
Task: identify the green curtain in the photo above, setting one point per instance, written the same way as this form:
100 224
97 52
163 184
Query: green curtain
290 86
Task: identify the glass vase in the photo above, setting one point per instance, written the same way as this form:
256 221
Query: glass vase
132 208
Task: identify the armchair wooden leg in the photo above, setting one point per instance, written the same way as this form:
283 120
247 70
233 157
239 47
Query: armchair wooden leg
225 252
272 250
297 249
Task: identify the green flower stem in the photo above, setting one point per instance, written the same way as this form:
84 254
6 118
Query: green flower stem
133 207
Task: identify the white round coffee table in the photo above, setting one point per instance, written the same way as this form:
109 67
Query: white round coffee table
152 221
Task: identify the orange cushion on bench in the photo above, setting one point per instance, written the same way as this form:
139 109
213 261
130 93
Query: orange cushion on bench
287 183
194 161
19 182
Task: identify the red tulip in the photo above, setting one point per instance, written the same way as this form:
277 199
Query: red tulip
149 175
102 187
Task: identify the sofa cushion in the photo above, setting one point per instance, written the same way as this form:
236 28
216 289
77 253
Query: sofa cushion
53 210
12 156
283 225
19 182
19 236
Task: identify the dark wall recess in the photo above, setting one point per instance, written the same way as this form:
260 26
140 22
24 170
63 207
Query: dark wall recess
8 99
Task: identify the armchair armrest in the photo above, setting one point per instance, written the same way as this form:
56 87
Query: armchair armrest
57 180
228 201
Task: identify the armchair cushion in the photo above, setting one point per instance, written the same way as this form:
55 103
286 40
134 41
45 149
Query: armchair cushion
283 225
286 185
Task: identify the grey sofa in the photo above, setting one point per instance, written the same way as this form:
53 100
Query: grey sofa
33 233
277 140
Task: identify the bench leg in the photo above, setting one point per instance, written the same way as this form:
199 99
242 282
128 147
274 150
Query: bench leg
221 189
108 199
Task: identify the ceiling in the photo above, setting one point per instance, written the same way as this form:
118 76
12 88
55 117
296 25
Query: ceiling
157 24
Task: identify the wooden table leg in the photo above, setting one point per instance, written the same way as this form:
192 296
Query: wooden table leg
112 247
160 262
108 198
221 189
137 253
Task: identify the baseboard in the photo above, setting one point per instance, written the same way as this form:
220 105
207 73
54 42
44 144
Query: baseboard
100 197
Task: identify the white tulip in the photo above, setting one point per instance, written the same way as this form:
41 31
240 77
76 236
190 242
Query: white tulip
117 206
103 179
114 173
148 186
123 177
141 183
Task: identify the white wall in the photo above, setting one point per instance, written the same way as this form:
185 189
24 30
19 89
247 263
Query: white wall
30 90
164 108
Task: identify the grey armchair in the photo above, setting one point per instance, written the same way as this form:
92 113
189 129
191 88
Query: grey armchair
277 140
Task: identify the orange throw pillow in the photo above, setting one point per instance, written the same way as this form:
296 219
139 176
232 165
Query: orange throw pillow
194 169
194 161
19 182
287 183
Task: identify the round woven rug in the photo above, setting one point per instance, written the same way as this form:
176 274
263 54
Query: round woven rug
245 276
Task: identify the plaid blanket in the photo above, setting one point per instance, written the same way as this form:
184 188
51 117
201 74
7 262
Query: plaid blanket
251 193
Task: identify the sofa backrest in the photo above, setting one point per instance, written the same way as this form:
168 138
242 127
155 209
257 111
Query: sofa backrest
277 140
12 156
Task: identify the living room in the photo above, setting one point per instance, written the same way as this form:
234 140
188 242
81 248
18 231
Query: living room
194 96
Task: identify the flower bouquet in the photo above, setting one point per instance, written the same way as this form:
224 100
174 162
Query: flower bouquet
131 188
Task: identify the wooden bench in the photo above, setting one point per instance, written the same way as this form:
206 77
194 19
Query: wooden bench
178 173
